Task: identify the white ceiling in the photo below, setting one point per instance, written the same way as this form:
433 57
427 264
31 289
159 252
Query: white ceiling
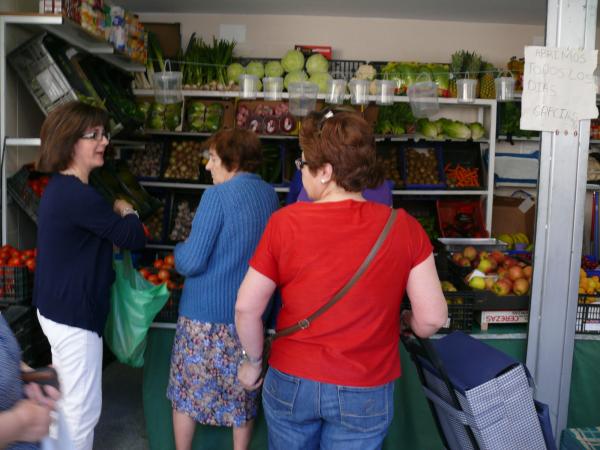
494 11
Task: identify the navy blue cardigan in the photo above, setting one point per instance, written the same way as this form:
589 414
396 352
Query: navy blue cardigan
76 232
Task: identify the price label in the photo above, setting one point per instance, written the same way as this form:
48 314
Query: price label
497 317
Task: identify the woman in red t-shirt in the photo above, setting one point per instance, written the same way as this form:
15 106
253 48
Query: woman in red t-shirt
331 385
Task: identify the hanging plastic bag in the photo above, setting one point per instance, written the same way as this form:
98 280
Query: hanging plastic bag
134 303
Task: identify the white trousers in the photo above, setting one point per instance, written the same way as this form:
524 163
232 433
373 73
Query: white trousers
77 358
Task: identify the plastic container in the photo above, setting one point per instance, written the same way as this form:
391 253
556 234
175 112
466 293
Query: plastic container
248 86
273 88
423 97
465 90
384 92
336 90
359 92
167 86
505 88
303 97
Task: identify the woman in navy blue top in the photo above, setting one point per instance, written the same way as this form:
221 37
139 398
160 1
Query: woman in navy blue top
77 229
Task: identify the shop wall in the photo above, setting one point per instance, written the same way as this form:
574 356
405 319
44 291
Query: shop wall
364 38
19 5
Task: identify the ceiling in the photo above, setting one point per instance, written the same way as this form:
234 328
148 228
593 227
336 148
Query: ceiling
493 11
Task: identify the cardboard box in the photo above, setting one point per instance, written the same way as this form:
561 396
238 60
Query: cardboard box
324 50
513 215
169 37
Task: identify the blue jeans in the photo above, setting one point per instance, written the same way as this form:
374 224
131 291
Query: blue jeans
303 414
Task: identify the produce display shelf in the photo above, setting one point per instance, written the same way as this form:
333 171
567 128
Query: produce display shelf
206 134
168 184
422 192
419 137
23 142
503 137
160 246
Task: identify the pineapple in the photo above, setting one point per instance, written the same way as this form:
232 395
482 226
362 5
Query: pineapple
456 67
488 88
473 67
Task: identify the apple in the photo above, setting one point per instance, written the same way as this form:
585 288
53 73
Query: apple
483 254
528 272
477 283
489 283
497 256
502 287
464 262
509 262
487 265
521 286
470 252
456 257
501 272
515 272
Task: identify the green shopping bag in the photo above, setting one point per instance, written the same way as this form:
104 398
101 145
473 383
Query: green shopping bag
134 303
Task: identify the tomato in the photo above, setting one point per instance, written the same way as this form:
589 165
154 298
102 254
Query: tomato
164 275
144 272
14 253
158 263
30 263
15 262
30 252
153 279
171 285
170 260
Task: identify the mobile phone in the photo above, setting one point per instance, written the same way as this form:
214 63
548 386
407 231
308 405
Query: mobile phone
45 376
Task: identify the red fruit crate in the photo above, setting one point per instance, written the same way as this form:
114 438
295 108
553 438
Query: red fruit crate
16 285
461 218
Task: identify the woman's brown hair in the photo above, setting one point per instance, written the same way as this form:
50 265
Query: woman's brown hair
342 138
63 127
239 150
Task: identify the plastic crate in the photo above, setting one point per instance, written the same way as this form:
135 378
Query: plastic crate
460 311
160 218
588 314
344 69
145 164
408 149
175 212
468 156
191 148
41 75
16 285
22 193
461 218
170 312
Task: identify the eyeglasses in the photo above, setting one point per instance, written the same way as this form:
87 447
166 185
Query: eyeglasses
300 163
96 135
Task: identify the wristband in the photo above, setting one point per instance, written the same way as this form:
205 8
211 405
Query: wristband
250 359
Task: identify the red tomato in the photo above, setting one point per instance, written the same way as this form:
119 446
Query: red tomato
15 262
171 285
144 272
14 253
170 260
30 263
164 275
30 252
153 279
158 263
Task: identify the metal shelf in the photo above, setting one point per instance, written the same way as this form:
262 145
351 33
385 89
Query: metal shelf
75 35
204 134
160 246
194 186
23 142
426 192
419 137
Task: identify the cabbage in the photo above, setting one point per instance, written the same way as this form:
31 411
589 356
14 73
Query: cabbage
294 77
234 71
255 68
317 63
320 79
456 130
427 128
293 61
273 69
477 130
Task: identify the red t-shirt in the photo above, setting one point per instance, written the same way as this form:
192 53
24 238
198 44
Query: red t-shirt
310 250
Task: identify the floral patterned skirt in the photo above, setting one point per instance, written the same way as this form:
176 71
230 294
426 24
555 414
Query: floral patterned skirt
203 380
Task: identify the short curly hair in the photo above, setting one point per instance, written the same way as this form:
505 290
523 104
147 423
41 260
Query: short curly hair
239 149
344 139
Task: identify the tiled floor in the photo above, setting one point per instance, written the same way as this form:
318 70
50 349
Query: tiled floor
121 425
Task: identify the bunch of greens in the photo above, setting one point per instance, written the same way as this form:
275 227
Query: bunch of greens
394 119
205 63
510 120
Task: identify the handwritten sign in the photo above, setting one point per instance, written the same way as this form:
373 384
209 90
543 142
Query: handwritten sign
559 88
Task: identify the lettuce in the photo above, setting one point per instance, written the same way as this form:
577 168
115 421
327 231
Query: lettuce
293 61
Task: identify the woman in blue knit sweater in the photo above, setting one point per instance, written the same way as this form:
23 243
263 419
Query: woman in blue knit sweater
228 224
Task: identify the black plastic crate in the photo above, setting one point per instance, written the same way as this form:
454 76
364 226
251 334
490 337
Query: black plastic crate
342 68
16 285
409 149
145 164
190 150
460 311
468 156
170 311
158 223
588 315
20 191
178 217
